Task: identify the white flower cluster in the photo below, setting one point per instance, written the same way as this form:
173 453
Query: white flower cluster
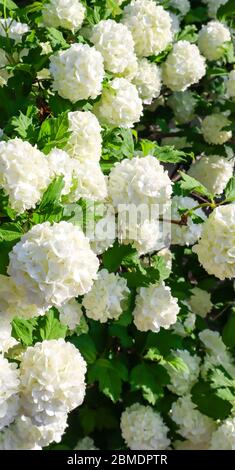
184 327
105 300
213 171
231 84
86 443
183 67
155 308
53 263
224 437
12 29
71 314
212 129
104 230
182 379
141 180
6 340
147 80
183 105
189 233
145 236
150 26
9 392
24 173
52 377
213 6
120 104
192 424
215 248
200 302
114 41
143 428
77 72
85 141
212 38
68 14
182 5
217 353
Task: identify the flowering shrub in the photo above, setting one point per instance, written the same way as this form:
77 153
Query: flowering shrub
117 224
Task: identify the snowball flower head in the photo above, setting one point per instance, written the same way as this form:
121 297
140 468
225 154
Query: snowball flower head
141 180
212 127
182 380
12 29
120 104
182 5
105 299
53 263
200 302
85 141
155 308
68 14
189 233
183 67
145 236
24 173
143 428
147 81
114 41
231 84
224 437
104 230
70 314
90 181
192 424
215 248
52 380
213 343
9 389
77 72
86 443
150 26
212 39
213 6
14 300
183 105
214 172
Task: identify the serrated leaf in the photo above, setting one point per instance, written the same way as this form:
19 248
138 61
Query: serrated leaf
208 402
191 184
109 374
56 38
230 190
50 327
10 231
23 125
150 378
52 195
22 330
53 133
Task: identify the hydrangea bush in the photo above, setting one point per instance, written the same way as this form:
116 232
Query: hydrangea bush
117 224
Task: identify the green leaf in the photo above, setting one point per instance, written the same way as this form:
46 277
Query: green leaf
10 231
188 34
87 418
52 195
22 330
228 334
53 133
150 378
50 327
10 5
56 38
86 346
109 374
114 256
230 190
121 333
208 402
23 125
191 184
226 10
